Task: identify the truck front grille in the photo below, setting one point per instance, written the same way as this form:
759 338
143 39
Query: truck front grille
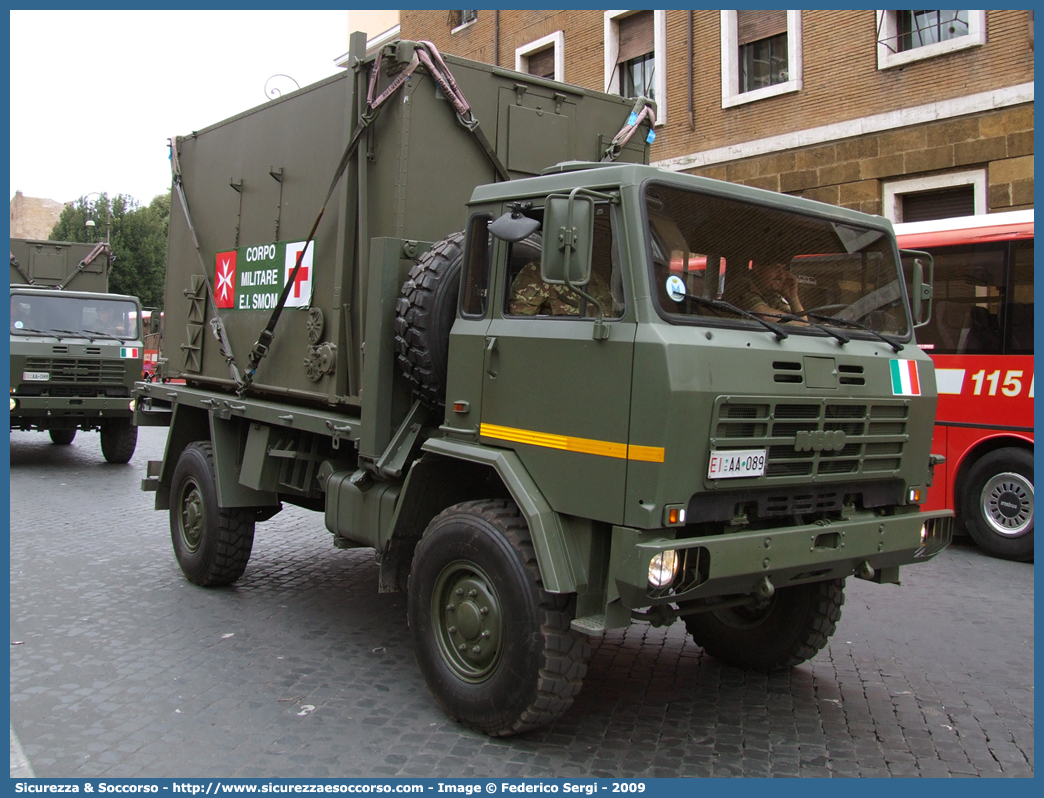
78 370
837 438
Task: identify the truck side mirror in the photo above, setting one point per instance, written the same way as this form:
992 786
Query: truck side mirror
568 240
919 288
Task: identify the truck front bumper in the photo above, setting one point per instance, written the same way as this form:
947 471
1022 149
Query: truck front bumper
35 412
739 562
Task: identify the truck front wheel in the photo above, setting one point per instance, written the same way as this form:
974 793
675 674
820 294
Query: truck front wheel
212 543
62 437
495 648
789 629
997 503
118 439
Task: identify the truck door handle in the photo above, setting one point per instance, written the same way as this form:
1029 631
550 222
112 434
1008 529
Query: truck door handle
488 361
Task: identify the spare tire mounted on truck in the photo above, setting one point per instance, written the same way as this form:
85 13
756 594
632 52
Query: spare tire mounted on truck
423 317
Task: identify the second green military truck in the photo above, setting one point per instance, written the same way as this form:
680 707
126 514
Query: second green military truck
76 350
558 421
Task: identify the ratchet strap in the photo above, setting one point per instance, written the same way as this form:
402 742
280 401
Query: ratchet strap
21 270
216 325
83 264
424 54
644 108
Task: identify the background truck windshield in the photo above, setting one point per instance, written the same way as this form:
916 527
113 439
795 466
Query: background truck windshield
707 251
36 314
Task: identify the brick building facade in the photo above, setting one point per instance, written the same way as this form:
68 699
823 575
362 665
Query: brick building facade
853 111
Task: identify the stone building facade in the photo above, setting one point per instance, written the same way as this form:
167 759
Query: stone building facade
33 217
887 112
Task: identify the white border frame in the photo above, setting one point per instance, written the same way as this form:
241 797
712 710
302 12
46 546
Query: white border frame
893 190
611 37
730 93
886 59
556 40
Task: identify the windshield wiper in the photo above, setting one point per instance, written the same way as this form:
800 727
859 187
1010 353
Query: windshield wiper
103 335
720 304
77 333
40 332
844 339
859 326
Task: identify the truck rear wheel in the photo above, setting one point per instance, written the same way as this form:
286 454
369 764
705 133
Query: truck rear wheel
790 629
118 439
62 437
495 648
997 503
212 543
424 314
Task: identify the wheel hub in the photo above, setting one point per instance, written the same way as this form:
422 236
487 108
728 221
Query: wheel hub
1007 504
191 516
467 621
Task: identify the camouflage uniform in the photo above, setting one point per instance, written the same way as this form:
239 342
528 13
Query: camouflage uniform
531 296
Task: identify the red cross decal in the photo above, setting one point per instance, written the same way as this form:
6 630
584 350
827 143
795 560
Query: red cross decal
301 277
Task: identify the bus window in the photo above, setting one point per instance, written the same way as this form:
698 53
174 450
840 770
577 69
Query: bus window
1018 333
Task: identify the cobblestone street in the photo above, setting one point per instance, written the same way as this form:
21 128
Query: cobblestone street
121 667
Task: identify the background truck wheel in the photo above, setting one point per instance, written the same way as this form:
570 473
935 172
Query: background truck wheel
62 437
212 544
495 648
997 503
794 625
424 314
118 439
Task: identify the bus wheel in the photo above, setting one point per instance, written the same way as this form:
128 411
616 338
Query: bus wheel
212 543
790 628
495 648
997 503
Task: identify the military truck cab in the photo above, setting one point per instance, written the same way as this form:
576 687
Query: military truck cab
75 357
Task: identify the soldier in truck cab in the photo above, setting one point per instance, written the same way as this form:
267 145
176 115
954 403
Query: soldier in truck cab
766 288
108 322
531 296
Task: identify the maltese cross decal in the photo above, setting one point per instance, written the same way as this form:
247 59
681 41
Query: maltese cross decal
225 280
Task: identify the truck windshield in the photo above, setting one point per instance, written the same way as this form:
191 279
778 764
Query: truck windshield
73 316
726 263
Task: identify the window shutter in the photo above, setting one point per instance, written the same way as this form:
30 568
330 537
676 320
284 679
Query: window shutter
542 64
942 204
753 26
636 36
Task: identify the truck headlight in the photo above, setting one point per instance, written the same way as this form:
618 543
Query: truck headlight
132 404
14 403
663 568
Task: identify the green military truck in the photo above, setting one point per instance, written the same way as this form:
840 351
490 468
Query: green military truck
76 350
555 422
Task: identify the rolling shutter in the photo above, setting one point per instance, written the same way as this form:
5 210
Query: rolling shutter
753 26
636 36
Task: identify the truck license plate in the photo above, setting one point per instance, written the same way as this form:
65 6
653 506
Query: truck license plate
35 376
746 463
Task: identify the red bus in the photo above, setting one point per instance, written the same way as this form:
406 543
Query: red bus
981 339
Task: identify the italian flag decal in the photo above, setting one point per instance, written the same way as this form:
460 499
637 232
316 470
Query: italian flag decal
904 378
130 351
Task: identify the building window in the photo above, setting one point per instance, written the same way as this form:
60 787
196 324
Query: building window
544 57
760 55
762 38
635 56
906 36
936 197
460 19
